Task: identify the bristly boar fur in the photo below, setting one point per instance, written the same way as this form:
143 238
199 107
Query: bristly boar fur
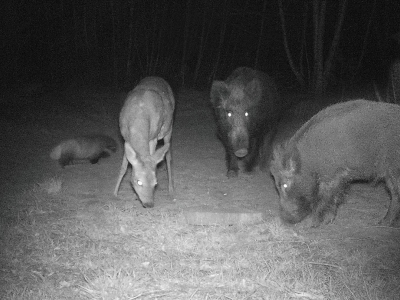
246 107
88 147
357 140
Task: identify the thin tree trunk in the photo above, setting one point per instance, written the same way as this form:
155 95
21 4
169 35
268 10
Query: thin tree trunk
221 37
393 90
319 11
153 34
162 27
85 30
75 31
130 41
114 45
95 39
295 71
203 39
62 21
146 42
335 43
365 42
185 42
303 49
238 35
136 44
260 39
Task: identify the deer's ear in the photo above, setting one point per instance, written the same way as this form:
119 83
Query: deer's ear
158 156
131 155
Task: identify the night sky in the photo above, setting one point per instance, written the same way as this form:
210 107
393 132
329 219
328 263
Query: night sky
191 42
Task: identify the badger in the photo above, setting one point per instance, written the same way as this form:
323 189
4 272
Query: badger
87 147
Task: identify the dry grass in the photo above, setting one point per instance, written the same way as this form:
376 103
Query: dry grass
116 252
51 186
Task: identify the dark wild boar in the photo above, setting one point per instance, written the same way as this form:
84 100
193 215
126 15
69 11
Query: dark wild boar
246 107
352 141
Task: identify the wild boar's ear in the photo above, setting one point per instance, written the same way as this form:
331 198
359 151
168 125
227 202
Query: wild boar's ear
253 88
219 89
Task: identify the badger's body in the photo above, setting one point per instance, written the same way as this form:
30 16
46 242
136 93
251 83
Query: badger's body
88 147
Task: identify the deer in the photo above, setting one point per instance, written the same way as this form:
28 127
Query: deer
145 118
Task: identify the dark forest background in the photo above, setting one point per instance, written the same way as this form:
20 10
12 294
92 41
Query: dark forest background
114 43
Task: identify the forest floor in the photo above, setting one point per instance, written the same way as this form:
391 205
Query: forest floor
63 235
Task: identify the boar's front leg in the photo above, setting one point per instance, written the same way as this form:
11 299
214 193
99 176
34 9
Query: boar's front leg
330 195
253 156
232 164
392 217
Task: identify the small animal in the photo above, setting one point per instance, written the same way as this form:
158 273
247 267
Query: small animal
145 118
83 148
357 140
246 107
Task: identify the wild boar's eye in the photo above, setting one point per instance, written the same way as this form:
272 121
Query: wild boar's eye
229 114
246 114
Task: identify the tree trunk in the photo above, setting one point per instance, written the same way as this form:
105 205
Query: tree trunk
335 43
130 42
238 36
295 71
322 69
185 43
319 12
221 38
303 57
205 30
114 45
261 35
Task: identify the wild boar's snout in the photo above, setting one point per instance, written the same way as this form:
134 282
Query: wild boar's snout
241 152
240 141
240 146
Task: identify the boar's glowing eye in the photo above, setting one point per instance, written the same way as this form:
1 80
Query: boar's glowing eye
139 182
246 114
229 114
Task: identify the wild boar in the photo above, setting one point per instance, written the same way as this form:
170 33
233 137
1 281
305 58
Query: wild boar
357 140
246 106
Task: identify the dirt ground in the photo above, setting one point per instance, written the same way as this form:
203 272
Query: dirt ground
31 126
